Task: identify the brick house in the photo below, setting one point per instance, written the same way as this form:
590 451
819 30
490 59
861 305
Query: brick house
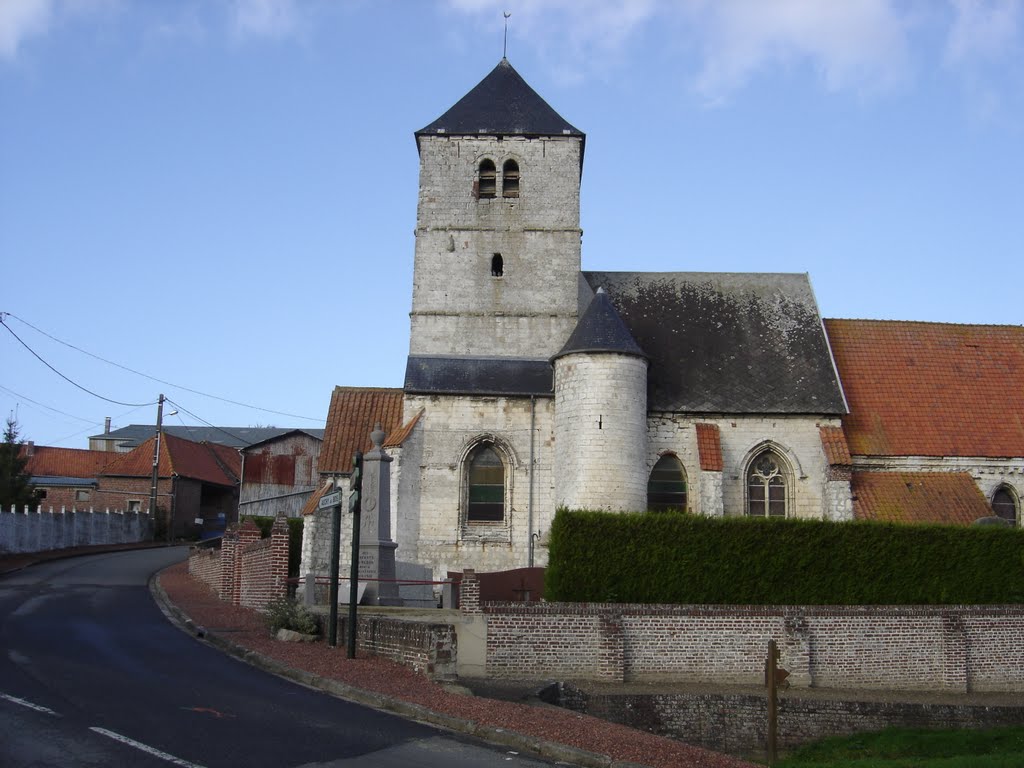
67 477
197 483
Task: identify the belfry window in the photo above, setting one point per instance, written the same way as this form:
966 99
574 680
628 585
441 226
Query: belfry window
487 179
766 486
666 487
486 492
1004 505
510 179
497 265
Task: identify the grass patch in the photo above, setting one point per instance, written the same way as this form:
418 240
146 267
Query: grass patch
904 748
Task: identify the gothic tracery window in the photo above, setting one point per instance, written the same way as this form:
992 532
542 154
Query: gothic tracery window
666 487
766 486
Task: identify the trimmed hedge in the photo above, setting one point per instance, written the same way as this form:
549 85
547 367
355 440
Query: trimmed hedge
652 557
294 539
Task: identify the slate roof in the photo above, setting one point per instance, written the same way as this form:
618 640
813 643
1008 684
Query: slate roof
235 437
600 329
931 389
50 462
727 342
205 462
351 418
502 104
949 498
497 376
709 447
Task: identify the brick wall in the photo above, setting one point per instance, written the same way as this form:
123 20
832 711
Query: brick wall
956 648
248 570
426 647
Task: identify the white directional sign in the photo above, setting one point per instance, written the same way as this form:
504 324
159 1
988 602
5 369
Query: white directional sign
330 500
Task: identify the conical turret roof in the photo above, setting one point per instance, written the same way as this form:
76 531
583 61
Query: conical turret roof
501 104
601 330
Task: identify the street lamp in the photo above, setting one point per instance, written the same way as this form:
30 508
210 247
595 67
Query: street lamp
156 463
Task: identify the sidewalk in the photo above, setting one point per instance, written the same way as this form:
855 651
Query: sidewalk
550 732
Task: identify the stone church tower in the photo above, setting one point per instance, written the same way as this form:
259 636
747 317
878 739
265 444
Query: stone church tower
498 225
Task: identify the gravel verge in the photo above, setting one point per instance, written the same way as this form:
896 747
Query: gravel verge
549 732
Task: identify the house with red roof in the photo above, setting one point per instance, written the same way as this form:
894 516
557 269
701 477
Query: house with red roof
67 477
197 484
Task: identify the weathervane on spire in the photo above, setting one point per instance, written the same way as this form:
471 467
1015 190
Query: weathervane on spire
504 50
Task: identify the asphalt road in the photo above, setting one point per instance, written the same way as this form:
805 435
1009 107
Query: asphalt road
93 674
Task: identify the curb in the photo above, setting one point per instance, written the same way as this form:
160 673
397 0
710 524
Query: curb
550 750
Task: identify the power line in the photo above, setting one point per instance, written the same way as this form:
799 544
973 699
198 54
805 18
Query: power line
180 407
153 378
47 407
69 381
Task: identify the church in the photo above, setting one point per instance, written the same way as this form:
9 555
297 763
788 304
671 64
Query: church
533 384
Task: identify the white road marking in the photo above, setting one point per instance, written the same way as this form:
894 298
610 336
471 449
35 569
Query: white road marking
145 748
28 704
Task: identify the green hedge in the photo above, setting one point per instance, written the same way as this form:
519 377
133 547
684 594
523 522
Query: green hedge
654 557
294 539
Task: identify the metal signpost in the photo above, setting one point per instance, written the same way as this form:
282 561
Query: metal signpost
355 505
333 500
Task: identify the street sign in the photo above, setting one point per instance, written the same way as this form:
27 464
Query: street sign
330 500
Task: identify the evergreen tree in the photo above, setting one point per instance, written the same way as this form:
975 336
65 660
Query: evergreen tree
15 483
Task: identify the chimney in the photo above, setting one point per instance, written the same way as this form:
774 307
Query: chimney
30 449
106 426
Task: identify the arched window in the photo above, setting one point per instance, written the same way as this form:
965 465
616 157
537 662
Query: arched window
487 179
767 493
1004 505
510 179
497 265
486 493
666 487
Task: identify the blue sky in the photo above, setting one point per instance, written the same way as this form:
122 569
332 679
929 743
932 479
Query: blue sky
221 195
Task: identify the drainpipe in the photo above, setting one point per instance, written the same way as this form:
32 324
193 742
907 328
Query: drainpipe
533 419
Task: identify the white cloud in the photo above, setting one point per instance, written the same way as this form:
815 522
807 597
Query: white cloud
983 28
20 19
853 44
264 18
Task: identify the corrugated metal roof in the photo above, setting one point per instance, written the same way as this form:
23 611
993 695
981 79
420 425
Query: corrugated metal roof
950 498
353 413
236 437
931 389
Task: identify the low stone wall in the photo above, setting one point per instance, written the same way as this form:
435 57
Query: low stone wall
737 723
427 647
42 530
954 648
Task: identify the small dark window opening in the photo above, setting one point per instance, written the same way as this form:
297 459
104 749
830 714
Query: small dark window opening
510 179
497 265
1003 505
666 487
487 184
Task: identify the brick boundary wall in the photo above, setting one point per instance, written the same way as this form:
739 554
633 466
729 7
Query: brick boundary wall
428 648
737 723
248 570
954 648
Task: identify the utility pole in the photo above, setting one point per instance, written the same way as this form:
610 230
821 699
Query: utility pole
355 505
156 463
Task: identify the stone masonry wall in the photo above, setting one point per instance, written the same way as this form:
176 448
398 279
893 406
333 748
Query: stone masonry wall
956 648
428 648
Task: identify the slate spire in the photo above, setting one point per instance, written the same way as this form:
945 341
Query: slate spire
600 329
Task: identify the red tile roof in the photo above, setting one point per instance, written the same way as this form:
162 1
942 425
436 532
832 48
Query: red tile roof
837 452
951 498
709 447
67 462
313 502
206 462
400 435
353 413
931 389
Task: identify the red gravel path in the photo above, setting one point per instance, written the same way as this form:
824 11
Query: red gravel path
248 629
